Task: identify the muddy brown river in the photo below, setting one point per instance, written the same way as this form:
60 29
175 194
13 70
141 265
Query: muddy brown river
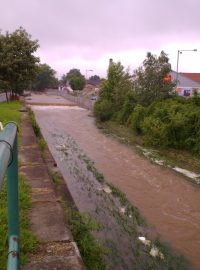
167 201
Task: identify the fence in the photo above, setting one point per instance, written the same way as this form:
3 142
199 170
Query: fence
9 166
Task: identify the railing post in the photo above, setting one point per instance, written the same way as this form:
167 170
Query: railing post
12 187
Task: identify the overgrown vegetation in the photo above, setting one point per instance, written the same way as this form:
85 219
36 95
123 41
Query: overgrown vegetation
36 129
146 104
76 80
45 78
82 226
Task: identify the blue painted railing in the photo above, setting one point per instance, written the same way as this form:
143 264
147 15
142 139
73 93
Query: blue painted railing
9 166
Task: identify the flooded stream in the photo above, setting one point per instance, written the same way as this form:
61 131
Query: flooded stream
164 198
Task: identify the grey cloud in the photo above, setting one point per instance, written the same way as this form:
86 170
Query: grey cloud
89 28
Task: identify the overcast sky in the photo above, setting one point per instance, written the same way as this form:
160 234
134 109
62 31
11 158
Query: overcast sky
85 33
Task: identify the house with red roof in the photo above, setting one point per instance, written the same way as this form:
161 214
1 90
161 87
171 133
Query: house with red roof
192 76
188 83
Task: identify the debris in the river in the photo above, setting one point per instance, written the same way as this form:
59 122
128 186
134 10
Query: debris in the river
155 252
187 173
106 189
159 162
144 240
1 126
61 147
123 210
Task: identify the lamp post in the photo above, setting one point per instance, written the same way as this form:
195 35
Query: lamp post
86 72
180 52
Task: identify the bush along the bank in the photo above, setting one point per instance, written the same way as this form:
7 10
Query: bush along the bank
148 105
170 123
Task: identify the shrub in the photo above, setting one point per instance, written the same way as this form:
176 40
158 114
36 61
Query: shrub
155 131
169 123
127 108
103 109
136 118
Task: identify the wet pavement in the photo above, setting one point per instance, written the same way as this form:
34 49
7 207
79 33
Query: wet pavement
166 200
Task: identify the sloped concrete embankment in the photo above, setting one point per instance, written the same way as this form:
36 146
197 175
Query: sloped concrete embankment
57 249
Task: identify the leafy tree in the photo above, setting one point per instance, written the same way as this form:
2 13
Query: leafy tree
149 81
77 82
17 60
75 78
114 89
116 85
103 110
45 78
63 79
74 72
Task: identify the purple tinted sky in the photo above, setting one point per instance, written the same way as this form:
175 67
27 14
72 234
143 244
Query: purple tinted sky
86 33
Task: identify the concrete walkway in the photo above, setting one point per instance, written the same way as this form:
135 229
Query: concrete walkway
57 249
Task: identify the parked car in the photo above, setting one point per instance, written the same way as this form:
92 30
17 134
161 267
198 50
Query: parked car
93 98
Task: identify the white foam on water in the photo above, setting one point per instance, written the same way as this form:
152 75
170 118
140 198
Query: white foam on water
55 107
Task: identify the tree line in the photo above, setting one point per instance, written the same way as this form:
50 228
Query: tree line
21 69
149 105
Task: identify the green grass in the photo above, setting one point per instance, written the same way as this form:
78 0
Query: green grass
55 177
27 240
82 225
90 167
10 112
42 143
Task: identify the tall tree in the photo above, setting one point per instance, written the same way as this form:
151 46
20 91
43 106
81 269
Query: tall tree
45 78
113 92
74 72
149 83
76 79
117 84
63 79
17 60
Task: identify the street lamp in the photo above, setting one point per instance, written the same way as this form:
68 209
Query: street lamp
180 52
88 70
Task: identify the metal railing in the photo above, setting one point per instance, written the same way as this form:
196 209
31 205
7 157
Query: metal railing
9 166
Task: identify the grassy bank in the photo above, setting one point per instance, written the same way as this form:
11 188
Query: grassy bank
82 226
10 112
172 157
36 129
27 240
